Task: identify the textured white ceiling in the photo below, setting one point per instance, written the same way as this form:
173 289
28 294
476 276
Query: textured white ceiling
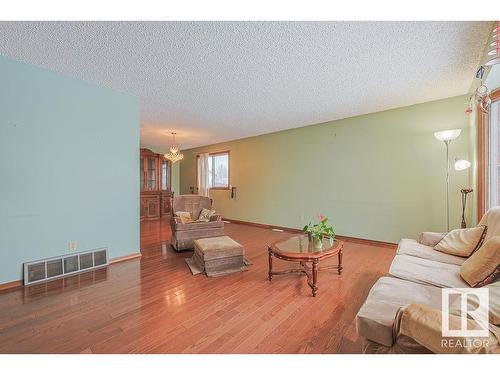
217 81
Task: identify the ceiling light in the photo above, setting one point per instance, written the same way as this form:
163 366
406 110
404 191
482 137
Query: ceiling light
492 62
482 95
447 135
495 52
174 154
461 164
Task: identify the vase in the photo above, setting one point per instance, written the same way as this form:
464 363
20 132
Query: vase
317 243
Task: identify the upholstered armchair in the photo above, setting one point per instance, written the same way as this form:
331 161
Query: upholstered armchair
183 235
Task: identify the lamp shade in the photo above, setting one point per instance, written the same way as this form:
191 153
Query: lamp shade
447 135
461 164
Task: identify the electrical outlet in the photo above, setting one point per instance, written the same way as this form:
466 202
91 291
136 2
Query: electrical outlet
72 245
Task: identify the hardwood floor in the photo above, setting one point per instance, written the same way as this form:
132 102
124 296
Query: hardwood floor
154 305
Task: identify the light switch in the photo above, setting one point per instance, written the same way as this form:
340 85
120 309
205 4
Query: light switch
72 245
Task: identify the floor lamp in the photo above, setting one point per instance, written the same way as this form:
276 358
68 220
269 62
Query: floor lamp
462 165
447 136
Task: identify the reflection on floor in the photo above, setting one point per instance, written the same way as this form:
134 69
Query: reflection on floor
154 305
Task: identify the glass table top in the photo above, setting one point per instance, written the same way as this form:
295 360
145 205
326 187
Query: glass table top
302 245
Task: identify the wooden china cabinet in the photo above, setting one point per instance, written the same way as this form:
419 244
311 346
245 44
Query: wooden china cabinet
155 172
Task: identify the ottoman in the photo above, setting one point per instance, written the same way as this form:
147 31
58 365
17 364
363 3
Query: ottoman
217 256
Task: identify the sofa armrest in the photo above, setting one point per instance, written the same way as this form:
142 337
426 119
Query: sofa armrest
216 218
430 238
174 220
423 324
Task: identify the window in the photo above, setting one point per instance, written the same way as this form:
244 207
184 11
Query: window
218 170
488 167
494 155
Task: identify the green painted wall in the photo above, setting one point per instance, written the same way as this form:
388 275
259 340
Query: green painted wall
69 167
176 178
379 176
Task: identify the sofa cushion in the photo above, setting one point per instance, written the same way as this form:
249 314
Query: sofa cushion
425 271
472 304
411 247
424 324
491 219
375 318
184 239
462 242
430 238
484 265
494 298
197 225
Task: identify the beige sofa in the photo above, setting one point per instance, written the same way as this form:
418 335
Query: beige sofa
415 281
183 235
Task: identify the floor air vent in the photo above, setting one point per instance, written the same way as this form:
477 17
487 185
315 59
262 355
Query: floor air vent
69 264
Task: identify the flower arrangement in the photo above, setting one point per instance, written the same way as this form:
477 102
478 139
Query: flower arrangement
317 231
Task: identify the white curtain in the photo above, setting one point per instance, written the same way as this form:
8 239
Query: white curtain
203 178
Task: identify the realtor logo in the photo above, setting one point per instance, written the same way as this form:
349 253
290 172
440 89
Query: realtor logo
469 305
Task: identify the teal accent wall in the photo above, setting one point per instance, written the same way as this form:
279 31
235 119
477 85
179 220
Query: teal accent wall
379 176
69 167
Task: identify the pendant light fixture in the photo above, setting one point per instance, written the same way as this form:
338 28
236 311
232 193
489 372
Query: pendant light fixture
482 94
494 53
174 154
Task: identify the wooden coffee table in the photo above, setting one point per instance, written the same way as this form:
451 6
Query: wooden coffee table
299 249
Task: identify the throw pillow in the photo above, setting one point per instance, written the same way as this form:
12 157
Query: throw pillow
205 215
184 216
430 238
462 242
186 220
183 213
484 265
473 303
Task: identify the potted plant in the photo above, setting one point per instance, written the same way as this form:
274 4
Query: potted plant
316 232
